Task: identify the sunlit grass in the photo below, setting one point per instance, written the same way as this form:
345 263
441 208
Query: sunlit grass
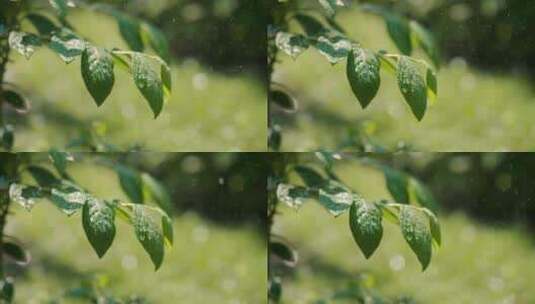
208 263
208 111
475 111
476 264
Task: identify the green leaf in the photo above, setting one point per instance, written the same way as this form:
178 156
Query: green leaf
98 220
97 72
310 176
423 196
69 199
7 290
416 231
43 176
292 195
130 30
335 200
425 39
432 86
157 40
131 183
274 138
284 252
67 45
15 100
412 86
275 289
283 100
397 184
363 74
42 24
154 190
149 236
330 6
167 229
310 25
434 226
16 252
399 31
7 137
60 6
333 46
291 44
24 43
148 82
24 195
60 160
165 74
365 222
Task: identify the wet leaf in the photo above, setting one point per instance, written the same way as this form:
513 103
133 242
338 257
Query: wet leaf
149 236
97 72
292 44
363 74
98 220
416 231
24 43
365 222
148 82
412 86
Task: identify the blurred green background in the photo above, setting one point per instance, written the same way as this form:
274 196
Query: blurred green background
486 216
219 255
218 101
485 100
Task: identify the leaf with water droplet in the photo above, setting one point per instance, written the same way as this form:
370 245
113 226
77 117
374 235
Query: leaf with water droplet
292 44
98 220
291 195
24 43
365 222
435 227
97 72
24 195
412 86
416 231
69 199
148 82
334 46
149 236
363 74
67 45
336 200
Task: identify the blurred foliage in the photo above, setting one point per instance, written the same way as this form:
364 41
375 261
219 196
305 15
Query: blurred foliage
495 34
225 187
224 34
497 187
